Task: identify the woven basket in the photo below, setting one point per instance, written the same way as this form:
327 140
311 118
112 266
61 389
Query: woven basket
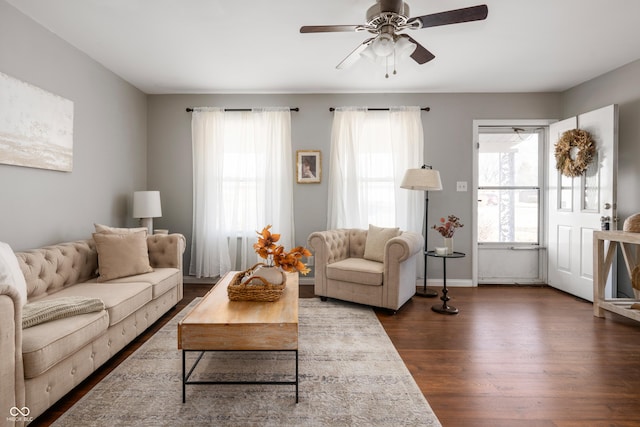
635 281
632 224
254 288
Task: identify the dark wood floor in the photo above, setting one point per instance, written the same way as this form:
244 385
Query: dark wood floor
513 356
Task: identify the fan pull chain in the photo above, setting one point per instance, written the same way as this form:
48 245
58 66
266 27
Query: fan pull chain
386 61
394 61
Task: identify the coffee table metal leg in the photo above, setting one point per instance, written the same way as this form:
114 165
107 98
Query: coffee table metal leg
184 380
187 375
297 381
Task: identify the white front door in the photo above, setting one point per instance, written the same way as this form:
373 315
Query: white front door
577 205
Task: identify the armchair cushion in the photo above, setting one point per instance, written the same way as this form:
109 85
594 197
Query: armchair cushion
377 238
357 270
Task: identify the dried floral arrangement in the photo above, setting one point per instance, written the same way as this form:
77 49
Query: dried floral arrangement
277 256
448 228
581 140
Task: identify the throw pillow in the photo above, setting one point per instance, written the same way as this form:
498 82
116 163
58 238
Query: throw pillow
377 237
106 229
10 272
121 255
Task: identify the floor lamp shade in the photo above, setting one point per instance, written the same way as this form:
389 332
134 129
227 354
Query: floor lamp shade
146 206
422 179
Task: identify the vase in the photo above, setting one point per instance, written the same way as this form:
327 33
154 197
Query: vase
271 274
448 243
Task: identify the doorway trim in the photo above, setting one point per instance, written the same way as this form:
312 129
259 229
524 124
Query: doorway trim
474 193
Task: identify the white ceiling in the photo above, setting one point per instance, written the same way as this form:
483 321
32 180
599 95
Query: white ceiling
254 46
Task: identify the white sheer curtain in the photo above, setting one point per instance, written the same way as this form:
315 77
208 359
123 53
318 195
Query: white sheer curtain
242 181
370 152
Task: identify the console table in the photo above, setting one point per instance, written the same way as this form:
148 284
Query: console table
630 245
444 308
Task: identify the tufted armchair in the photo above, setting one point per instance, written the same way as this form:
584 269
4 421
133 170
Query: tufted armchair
347 268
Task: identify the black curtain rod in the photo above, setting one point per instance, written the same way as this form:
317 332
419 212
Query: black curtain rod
332 109
190 110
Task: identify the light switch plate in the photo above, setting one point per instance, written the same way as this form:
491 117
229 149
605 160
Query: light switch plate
461 186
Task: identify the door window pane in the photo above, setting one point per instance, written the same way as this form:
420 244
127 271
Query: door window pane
591 187
565 195
508 186
508 216
508 159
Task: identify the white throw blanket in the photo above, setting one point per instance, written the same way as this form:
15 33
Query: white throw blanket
34 313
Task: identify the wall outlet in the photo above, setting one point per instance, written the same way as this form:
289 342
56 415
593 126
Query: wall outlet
461 186
310 261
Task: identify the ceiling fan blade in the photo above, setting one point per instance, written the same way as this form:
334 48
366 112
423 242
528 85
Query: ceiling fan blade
354 56
329 28
421 55
467 14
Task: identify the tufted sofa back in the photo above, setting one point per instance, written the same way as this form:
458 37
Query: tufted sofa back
357 242
344 243
51 268
163 252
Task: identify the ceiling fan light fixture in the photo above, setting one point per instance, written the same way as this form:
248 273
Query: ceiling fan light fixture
404 48
383 45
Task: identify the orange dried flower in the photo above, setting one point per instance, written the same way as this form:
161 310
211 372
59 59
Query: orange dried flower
276 255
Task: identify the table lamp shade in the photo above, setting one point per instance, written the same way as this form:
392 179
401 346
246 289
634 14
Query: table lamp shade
422 179
146 204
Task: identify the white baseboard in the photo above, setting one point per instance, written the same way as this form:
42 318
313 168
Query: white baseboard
451 283
303 280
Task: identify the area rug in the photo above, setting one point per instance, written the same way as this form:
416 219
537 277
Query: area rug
350 375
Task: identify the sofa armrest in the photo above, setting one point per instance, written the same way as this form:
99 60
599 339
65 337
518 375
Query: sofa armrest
12 392
400 268
165 250
403 247
328 247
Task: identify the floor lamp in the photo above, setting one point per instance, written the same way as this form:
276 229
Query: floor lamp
424 179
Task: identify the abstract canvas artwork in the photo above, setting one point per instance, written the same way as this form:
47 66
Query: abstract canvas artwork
36 127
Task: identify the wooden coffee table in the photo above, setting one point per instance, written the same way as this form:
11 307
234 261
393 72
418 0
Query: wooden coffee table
218 324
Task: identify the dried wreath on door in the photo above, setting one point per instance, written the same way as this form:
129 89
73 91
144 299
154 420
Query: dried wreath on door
585 150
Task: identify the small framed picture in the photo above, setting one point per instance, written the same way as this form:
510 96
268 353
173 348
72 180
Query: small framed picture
308 167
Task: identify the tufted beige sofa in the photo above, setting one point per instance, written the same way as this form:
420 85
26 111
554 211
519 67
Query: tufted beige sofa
343 273
40 364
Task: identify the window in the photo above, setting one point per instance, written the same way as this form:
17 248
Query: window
509 186
370 152
242 165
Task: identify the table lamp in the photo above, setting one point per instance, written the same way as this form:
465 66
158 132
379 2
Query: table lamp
146 206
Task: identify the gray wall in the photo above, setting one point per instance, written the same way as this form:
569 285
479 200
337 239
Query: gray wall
448 147
114 121
109 153
622 87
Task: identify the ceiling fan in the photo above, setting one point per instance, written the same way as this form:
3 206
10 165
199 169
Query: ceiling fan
387 19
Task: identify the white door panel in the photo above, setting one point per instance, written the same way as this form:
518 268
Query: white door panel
496 265
575 205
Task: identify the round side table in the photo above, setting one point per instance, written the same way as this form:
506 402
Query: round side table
444 308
